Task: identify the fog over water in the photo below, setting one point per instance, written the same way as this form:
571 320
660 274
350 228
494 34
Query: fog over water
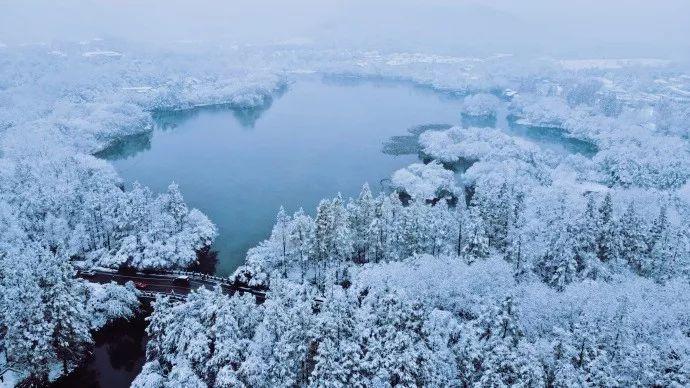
582 28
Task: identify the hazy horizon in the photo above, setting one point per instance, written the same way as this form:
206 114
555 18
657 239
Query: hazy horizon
577 29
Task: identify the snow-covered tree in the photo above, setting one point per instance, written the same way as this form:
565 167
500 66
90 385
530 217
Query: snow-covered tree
337 360
282 236
607 238
477 243
634 249
397 353
585 232
301 239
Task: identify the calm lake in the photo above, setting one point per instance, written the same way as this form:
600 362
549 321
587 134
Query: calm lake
320 137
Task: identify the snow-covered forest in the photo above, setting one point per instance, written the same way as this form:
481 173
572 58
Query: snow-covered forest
608 231
496 263
491 261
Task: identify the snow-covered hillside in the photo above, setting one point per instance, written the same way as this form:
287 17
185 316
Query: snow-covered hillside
527 267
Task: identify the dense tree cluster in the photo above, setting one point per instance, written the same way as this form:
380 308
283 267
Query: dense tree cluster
639 143
369 335
60 206
44 316
62 210
480 104
462 295
570 243
425 182
75 203
46 313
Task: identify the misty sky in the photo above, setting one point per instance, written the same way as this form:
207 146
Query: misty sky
575 28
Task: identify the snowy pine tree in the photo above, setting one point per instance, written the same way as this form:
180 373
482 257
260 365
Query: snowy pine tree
477 243
361 213
607 234
338 354
174 205
282 235
301 241
585 243
634 249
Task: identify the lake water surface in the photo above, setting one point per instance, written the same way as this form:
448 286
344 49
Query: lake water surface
319 138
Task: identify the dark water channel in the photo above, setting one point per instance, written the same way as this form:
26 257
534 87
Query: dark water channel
117 358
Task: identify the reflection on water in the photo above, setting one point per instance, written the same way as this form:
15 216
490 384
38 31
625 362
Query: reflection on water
246 117
478 121
127 146
117 357
554 139
357 80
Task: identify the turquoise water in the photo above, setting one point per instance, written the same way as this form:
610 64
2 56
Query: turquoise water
320 137
317 139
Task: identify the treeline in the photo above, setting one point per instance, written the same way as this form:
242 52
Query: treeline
593 242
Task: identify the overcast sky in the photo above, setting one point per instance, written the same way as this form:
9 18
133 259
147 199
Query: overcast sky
574 28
